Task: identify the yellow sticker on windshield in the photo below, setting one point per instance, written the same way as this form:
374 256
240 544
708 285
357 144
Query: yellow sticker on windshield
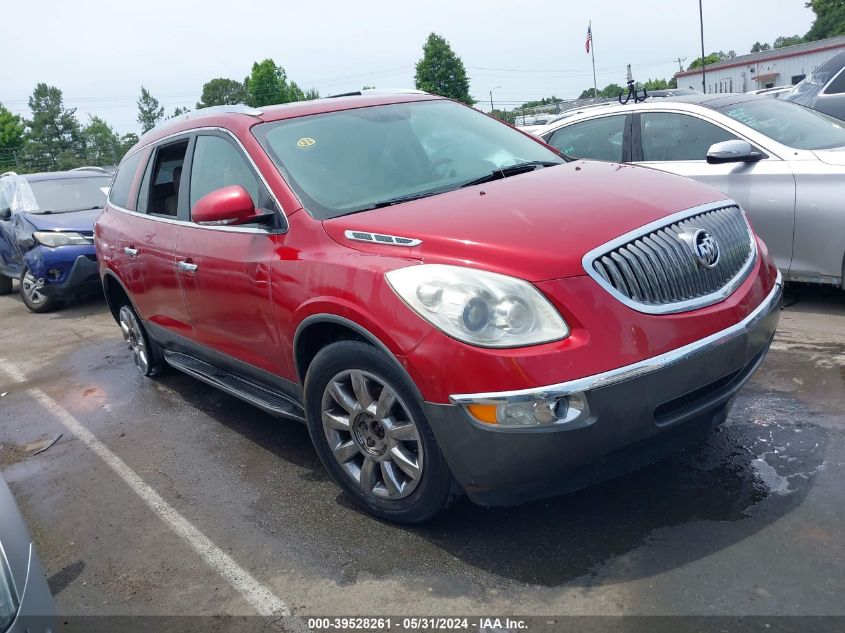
305 142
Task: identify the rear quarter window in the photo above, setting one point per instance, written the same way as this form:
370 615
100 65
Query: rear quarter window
123 179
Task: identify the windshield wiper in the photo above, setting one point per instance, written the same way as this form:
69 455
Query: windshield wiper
512 170
391 201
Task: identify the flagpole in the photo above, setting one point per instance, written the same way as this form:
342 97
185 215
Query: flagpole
593 53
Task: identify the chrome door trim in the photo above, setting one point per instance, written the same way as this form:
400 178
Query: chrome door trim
605 379
680 306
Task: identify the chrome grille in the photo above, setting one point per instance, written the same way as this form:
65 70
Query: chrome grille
654 270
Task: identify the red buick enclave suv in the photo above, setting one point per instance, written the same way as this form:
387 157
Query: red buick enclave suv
450 305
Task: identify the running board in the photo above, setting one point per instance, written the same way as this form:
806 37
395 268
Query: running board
270 401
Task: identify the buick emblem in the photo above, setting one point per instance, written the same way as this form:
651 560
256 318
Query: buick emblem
704 247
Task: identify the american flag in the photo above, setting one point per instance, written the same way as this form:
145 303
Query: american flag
589 37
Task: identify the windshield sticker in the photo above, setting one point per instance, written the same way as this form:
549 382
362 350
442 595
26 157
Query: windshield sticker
305 142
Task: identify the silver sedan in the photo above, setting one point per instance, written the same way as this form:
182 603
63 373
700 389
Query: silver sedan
785 164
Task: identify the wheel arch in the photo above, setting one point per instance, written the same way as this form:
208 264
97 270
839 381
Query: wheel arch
319 330
115 292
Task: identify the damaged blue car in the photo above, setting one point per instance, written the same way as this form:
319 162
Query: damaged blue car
47 235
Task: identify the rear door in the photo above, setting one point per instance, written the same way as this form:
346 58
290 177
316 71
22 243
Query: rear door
225 271
678 143
150 238
605 138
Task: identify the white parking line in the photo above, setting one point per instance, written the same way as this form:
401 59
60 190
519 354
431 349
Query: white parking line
260 597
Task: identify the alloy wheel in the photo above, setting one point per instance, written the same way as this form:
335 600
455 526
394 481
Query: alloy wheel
372 435
134 337
31 289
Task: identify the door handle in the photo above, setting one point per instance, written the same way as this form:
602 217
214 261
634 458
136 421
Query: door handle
187 266
131 252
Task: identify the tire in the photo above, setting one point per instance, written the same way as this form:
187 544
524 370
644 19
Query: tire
32 298
384 455
145 352
5 285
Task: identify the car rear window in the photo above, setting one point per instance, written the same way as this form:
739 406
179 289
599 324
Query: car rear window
119 194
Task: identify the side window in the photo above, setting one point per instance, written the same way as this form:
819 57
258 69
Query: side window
598 139
217 163
123 179
159 193
837 86
672 137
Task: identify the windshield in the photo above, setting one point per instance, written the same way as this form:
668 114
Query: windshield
348 161
61 195
807 90
788 123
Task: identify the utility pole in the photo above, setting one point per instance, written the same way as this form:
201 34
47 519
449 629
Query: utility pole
491 98
703 57
681 61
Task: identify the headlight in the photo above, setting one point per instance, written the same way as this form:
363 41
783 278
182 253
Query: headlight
8 600
55 238
479 307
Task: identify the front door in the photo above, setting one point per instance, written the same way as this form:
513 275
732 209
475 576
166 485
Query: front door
225 271
678 143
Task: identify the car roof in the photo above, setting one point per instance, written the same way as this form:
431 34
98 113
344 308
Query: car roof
243 117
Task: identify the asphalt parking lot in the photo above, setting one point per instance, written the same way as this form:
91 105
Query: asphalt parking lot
160 493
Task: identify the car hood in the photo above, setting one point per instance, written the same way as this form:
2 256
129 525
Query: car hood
71 221
831 156
536 226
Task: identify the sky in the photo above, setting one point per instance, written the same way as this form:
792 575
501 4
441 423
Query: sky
99 53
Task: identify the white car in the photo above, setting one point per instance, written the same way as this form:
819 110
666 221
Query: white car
785 164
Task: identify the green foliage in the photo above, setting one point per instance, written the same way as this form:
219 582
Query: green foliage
541 102
656 84
102 144
759 47
787 40
53 138
830 19
507 116
127 141
221 91
441 72
367 87
589 93
712 58
11 137
611 91
149 111
268 84
177 111
311 94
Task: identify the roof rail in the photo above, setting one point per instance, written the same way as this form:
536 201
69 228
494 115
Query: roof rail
237 108
89 168
380 91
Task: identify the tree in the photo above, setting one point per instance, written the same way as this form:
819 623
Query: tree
102 144
656 84
149 112
441 72
127 141
177 111
830 19
787 40
611 91
311 94
53 138
221 91
760 47
268 84
711 59
504 115
11 137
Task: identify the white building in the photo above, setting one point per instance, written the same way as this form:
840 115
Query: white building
778 67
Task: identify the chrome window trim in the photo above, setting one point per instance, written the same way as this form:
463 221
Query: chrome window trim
231 229
635 370
680 306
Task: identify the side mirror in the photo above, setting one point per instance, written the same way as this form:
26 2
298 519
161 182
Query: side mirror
734 152
227 206
5 213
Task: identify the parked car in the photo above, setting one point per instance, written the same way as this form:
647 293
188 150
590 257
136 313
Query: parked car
47 235
783 163
823 89
26 604
446 302
776 92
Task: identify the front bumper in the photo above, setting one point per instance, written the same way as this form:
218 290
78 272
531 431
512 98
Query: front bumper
637 414
82 279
